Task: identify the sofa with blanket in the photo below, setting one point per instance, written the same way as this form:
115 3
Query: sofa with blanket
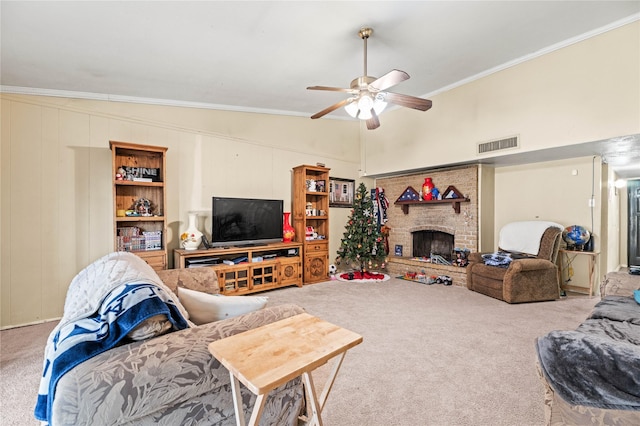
167 376
592 374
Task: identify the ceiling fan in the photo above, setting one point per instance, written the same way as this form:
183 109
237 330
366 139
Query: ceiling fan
369 96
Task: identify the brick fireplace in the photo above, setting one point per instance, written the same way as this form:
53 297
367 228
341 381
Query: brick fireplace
434 227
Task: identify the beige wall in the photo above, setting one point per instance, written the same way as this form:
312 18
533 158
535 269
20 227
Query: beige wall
558 191
486 208
56 180
585 92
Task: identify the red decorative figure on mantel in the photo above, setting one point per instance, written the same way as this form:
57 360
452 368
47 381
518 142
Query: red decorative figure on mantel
427 186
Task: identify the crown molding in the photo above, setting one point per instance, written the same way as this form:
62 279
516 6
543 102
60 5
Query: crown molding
34 91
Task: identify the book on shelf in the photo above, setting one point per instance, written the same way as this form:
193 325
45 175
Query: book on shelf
132 238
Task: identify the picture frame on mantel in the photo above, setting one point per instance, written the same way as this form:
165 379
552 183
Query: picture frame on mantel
341 192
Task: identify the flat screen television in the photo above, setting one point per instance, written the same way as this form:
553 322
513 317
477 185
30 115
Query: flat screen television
246 221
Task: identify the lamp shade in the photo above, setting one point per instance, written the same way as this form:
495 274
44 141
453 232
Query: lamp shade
361 107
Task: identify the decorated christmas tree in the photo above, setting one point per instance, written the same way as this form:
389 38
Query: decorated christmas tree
362 245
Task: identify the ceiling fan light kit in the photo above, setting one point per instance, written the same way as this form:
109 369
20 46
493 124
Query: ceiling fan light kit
369 97
361 107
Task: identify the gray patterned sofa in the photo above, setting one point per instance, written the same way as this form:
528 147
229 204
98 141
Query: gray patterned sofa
171 379
591 375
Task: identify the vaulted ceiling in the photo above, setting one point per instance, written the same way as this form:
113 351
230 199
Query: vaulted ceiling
260 56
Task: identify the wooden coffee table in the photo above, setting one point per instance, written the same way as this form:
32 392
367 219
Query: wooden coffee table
269 356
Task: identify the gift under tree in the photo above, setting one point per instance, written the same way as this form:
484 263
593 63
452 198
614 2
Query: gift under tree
362 245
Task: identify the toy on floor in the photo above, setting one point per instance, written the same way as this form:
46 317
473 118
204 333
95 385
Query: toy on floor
424 279
332 271
444 279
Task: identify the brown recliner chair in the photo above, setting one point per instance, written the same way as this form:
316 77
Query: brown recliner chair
527 279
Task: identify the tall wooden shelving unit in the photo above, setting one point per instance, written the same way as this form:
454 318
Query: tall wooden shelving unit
151 244
315 251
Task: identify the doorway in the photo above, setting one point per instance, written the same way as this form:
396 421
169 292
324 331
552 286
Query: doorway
633 231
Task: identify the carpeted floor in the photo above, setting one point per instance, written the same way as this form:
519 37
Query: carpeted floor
435 355
21 357
431 355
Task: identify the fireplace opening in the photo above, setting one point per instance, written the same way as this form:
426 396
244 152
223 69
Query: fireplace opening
426 243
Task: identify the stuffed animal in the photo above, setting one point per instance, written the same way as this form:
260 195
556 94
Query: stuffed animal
332 271
435 194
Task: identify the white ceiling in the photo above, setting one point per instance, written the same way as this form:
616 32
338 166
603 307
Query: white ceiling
260 56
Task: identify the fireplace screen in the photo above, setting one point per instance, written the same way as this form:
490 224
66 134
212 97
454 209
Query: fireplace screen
426 243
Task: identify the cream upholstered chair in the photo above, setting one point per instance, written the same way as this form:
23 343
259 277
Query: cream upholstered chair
531 275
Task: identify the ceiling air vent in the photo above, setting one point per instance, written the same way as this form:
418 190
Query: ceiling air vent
498 145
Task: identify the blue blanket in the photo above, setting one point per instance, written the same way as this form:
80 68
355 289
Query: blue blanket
121 311
500 259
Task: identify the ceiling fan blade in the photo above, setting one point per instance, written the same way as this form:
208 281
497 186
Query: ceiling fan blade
408 101
332 108
391 78
373 122
331 89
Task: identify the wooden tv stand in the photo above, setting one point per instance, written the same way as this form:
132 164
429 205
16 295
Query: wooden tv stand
266 266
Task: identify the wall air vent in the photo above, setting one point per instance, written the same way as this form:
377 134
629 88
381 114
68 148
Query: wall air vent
498 145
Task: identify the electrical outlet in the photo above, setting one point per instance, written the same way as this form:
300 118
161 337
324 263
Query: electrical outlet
592 202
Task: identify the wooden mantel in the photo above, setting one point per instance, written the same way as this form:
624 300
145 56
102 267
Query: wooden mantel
455 202
450 196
